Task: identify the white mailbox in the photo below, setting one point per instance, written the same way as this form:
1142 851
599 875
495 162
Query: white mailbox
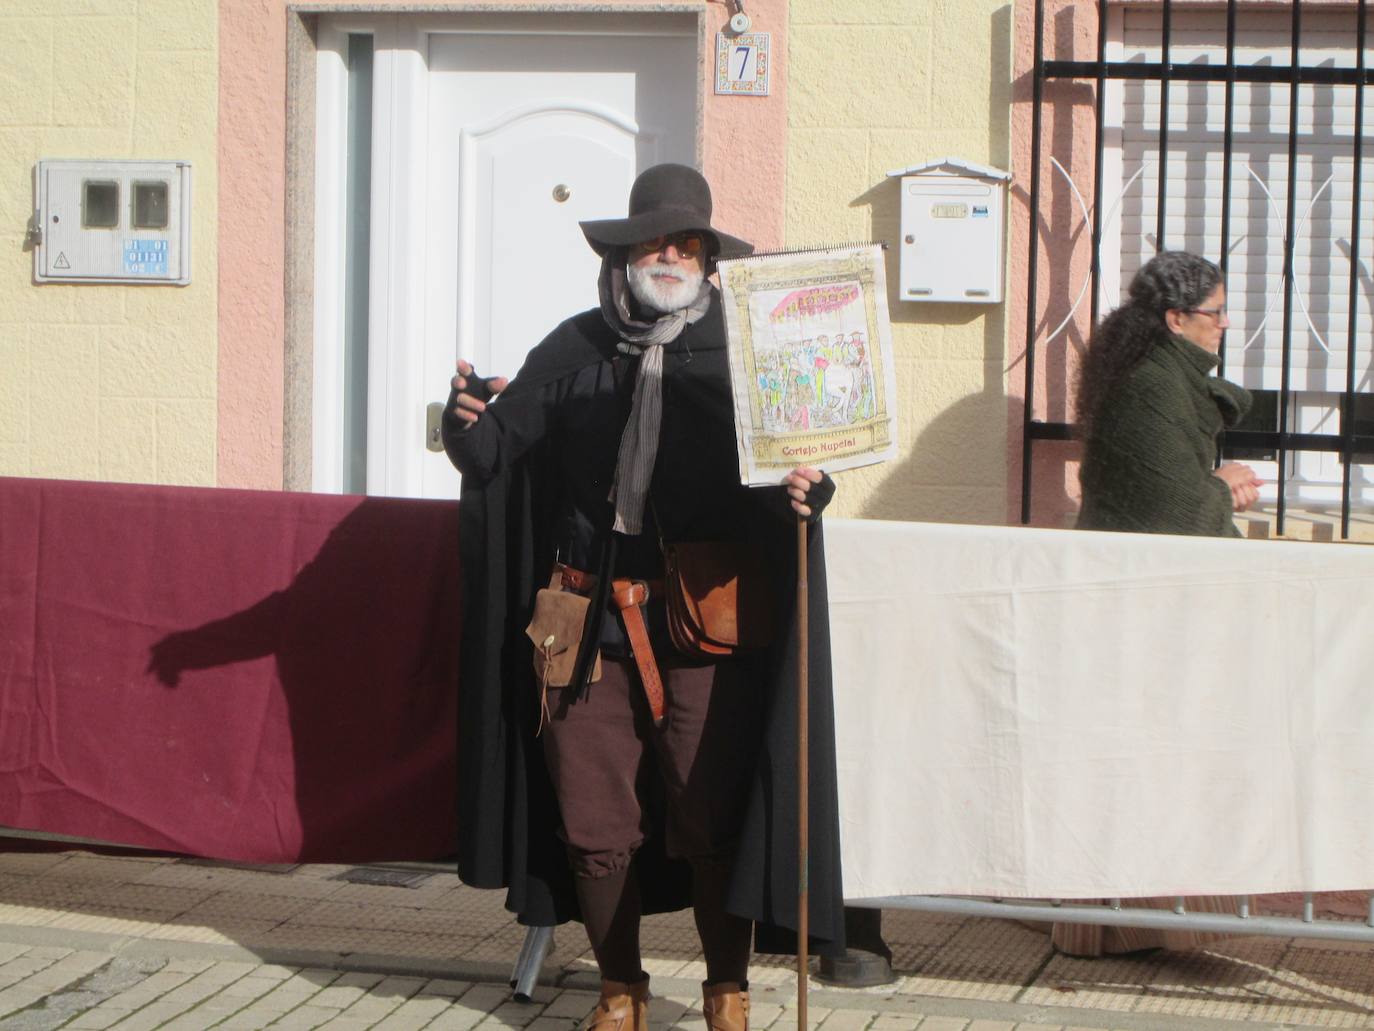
112 222
953 228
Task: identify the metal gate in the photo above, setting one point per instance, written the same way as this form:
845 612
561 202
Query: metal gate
1353 442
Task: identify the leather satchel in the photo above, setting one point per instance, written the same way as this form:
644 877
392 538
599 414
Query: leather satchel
718 599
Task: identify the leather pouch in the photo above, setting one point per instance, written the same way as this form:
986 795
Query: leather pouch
556 630
718 599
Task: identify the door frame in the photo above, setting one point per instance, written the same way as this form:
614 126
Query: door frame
397 311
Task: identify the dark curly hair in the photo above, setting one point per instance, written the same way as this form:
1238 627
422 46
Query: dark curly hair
1173 280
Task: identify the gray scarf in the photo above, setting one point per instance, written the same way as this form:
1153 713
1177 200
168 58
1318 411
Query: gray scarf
639 443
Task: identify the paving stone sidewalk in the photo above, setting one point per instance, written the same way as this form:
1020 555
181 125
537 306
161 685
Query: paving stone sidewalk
89 942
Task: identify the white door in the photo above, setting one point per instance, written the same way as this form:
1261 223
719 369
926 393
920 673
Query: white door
498 142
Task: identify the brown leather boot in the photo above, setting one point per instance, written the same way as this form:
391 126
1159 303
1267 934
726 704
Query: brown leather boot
622 1007
726 1006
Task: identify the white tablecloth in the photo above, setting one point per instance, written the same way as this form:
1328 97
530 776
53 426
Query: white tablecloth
1058 713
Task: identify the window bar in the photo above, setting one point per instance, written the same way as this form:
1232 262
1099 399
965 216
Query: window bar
1179 907
1146 71
1290 216
1165 30
1099 116
1307 907
1348 398
1028 409
1228 135
1243 910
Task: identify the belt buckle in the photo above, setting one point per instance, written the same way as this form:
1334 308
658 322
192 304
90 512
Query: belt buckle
574 581
643 585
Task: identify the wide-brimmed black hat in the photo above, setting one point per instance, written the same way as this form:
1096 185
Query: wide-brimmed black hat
664 199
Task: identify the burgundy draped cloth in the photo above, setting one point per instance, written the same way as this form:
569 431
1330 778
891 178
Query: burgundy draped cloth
244 675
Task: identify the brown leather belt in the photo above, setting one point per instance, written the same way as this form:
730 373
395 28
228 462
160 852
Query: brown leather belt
629 596
574 579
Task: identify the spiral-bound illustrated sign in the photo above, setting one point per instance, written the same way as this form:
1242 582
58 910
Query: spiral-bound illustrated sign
810 360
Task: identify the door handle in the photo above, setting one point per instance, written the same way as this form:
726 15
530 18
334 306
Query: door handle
434 418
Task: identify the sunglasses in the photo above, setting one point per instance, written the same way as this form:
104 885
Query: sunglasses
688 244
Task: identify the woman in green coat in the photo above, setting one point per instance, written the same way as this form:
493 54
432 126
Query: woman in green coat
1149 409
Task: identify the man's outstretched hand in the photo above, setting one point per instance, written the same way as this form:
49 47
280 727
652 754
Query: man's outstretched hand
474 392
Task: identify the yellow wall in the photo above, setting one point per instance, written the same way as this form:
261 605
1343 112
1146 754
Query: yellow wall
107 382
877 85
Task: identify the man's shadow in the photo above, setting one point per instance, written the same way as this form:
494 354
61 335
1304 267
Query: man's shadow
360 739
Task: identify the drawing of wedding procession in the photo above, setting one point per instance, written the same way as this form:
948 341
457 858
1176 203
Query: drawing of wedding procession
816 370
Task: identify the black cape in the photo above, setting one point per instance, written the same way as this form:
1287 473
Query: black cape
507 812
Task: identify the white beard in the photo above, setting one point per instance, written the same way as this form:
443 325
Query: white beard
664 288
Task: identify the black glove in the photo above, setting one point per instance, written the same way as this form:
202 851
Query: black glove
819 496
477 386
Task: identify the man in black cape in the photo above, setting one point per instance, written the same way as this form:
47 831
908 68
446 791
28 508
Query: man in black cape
649 780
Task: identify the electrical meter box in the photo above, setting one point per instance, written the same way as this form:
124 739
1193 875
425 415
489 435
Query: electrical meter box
953 232
112 222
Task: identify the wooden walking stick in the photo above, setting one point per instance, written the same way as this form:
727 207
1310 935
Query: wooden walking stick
803 747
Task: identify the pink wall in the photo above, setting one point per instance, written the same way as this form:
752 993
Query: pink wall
252 241
746 137
745 147
1065 246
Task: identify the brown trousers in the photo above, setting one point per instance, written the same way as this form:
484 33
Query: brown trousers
603 749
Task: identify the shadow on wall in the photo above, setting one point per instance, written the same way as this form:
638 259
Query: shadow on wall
365 654
926 486
956 469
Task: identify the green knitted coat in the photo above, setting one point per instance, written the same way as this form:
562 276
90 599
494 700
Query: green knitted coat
1147 466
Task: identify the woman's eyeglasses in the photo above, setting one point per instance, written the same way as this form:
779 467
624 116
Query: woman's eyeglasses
688 244
1217 313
